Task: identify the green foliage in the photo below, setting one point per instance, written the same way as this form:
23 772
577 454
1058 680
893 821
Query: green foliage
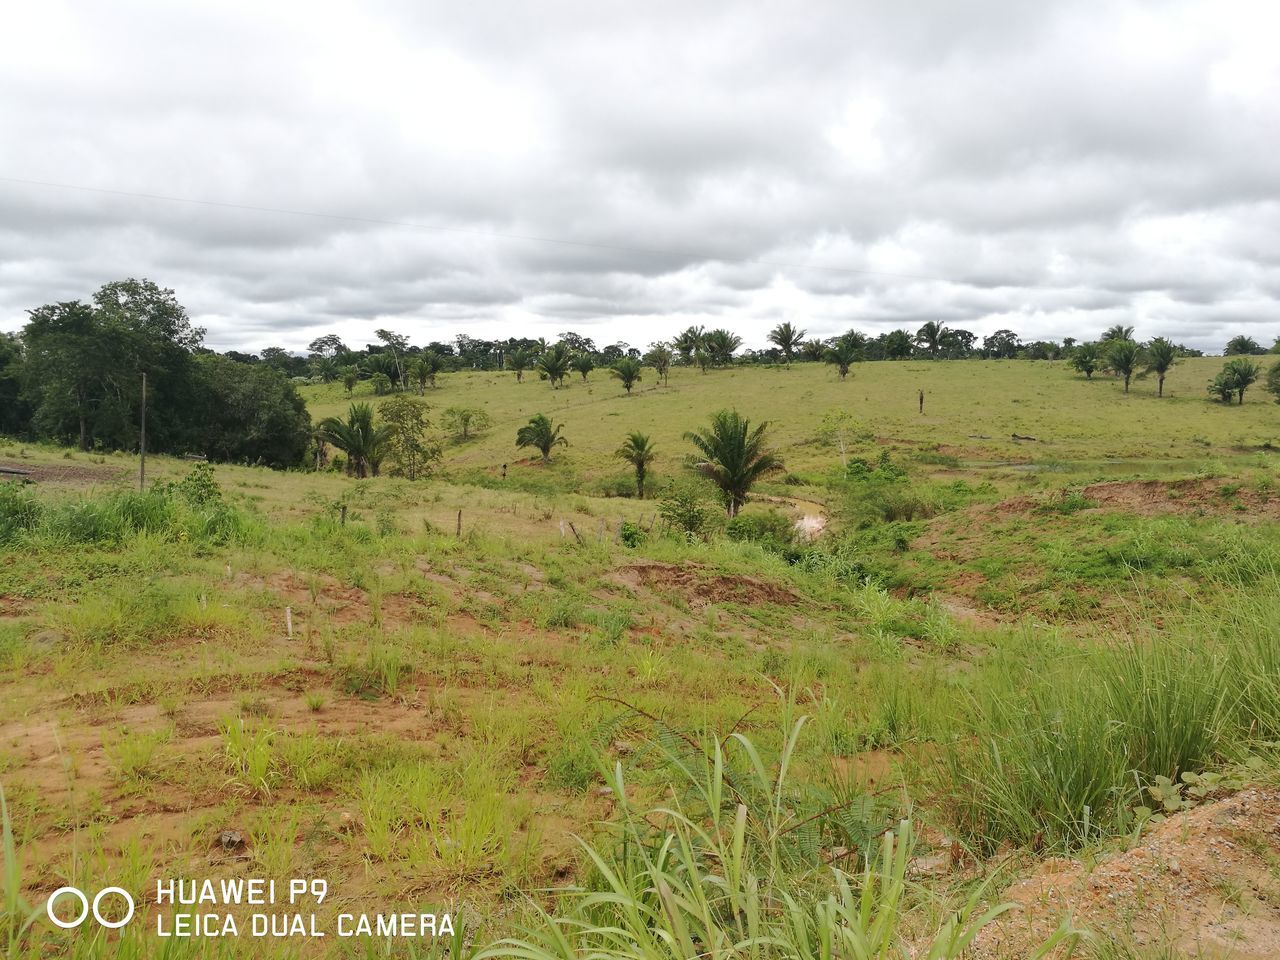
684 508
409 440
772 529
638 451
540 434
1273 381
464 423
1236 376
364 443
627 370
1086 358
733 456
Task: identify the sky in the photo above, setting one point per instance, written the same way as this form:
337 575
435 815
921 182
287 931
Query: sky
625 170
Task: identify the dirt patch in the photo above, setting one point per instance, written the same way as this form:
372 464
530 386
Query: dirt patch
1205 880
1150 497
75 474
701 588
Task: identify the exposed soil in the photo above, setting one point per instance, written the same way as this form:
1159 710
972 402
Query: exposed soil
78 474
701 588
1207 881
1148 497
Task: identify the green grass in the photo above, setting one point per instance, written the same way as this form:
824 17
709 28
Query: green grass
557 734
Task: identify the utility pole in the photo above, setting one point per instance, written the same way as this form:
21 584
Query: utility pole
142 440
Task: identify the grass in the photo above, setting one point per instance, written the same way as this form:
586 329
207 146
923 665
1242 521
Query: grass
557 734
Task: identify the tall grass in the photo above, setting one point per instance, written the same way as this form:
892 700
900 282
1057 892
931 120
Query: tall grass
718 883
1059 754
113 518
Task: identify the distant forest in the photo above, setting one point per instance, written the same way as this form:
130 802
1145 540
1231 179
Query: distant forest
73 373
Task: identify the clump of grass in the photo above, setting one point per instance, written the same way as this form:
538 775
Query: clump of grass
134 752
683 878
1060 756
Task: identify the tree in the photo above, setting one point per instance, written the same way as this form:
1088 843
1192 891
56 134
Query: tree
732 456
638 451
1086 358
326 368
350 377
330 345
1242 346
1237 375
627 369
896 344
364 443
1123 356
409 440
554 364
720 344
249 413
64 367
659 357
466 422
519 361
381 384
813 350
541 435
1002 345
397 344
424 370
929 336
1273 381
787 338
1161 356
843 354
583 364
1117 332
15 414
688 342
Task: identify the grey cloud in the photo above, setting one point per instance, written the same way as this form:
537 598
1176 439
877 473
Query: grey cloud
986 162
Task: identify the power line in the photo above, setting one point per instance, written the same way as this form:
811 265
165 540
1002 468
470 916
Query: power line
469 231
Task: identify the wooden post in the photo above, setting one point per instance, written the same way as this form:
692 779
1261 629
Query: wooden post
142 439
344 514
458 532
562 528
600 532
288 621
576 536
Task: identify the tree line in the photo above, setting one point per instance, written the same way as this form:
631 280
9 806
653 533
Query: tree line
73 374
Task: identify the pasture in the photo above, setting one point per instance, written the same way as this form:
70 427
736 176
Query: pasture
1034 607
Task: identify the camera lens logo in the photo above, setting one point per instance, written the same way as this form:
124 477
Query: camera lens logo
79 894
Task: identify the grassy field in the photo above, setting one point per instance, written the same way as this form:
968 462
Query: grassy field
1005 641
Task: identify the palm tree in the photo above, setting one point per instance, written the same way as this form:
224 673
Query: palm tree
424 370
813 349
541 435
689 341
1123 357
721 344
554 362
519 361
626 369
732 456
357 437
930 337
1241 374
843 354
1161 356
326 368
583 364
1085 358
1242 346
787 339
659 357
1118 332
638 451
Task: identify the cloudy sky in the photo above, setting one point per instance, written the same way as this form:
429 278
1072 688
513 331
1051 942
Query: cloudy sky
624 170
